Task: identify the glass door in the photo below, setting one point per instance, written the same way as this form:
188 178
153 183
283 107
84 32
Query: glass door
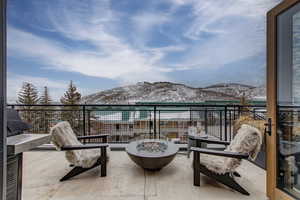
283 142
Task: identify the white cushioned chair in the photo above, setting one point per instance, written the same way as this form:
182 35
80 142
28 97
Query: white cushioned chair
221 165
82 156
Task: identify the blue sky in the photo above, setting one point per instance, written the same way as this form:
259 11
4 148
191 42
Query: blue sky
101 44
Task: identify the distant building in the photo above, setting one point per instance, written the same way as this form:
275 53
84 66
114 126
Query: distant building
139 122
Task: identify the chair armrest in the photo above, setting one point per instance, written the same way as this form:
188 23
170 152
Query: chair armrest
209 141
221 153
86 146
92 136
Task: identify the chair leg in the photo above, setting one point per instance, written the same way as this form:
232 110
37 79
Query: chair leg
103 159
196 166
78 170
74 172
225 179
235 186
236 174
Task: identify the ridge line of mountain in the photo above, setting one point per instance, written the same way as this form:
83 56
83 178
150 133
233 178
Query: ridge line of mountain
173 92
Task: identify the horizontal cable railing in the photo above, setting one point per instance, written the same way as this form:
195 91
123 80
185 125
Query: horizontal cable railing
125 123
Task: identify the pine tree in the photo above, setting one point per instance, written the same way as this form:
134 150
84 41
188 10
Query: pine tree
28 95
45 99
45 116
71 96
72 112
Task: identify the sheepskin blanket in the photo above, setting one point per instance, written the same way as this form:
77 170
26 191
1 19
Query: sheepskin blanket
247 140
62 135
248 119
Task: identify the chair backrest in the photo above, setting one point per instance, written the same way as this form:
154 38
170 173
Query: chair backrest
247 140
62 135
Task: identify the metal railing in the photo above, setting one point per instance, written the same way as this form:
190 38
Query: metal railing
125 123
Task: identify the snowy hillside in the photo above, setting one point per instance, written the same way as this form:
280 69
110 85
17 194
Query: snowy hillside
155 92
238 90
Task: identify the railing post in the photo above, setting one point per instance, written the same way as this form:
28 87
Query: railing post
150 124
221 125
159 124
191 117
154 119
83 120
230 124
89 122
205 121
225 122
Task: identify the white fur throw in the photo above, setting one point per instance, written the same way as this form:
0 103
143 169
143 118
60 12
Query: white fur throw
247 140
62 135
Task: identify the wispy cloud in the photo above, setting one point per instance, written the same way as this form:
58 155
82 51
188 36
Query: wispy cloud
220 16
225 31
109 57
146 21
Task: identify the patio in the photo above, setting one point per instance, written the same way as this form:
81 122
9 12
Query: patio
124 180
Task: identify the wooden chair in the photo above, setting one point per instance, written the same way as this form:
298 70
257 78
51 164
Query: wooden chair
221 165
82 157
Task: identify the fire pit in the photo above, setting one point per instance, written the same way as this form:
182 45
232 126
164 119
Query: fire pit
151 154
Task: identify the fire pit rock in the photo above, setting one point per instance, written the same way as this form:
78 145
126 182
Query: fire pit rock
151 154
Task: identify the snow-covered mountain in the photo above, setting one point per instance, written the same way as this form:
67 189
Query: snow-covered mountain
167 92
239 90
155 92
258 93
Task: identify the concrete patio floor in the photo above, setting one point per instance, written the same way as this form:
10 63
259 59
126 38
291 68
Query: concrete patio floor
126 181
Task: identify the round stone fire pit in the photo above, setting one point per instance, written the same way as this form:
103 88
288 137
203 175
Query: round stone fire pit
151 154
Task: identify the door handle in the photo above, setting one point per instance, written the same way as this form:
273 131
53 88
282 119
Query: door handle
268 127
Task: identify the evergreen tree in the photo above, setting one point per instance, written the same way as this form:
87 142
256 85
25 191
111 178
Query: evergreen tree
71 96
45 116
71 112
28 95
45 99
